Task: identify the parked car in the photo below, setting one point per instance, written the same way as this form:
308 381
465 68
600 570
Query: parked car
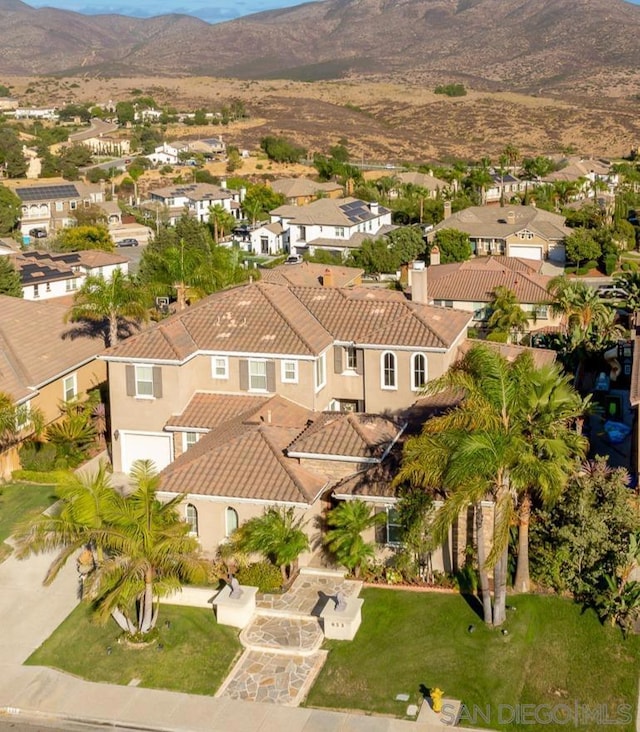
611 292
293 259
39 233
128 243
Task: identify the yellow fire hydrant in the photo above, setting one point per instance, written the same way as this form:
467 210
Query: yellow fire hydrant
436 698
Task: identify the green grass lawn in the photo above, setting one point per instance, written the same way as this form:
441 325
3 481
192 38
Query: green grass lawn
553 653
19 501
193 655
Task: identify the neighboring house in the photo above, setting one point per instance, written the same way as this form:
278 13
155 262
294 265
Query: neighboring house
420 180
469 286
148 115
323 348
523 232
41 365
310 274
196 199
503 188
300 191
586 171
101 140
52 206
168 153
265 239
213 148
331 225
49 113
47 275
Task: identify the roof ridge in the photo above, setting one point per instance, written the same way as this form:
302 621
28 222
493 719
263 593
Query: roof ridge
282 458
14 361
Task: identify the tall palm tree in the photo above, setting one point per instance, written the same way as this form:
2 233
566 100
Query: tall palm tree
347 522
506 314
110 301
483 449
221 220
278 535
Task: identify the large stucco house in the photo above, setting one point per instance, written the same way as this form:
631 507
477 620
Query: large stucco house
195 199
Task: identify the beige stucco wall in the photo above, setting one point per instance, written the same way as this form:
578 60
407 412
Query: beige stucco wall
50 397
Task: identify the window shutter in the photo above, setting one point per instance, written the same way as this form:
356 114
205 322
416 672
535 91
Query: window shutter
361 405
244 374
271 375
359 361
157 382
381 526
337 359
130 377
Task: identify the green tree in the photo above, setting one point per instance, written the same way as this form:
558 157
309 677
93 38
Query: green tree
125 112
277 535
17 422
282 150
454 245
347 522
10 210
80 238
507 316
11 155
630 283
484 448
147 547
580 246
110 302
10 282
260 200
221 221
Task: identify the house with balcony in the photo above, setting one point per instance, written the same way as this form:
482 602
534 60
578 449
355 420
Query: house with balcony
102 138
336 226
195 199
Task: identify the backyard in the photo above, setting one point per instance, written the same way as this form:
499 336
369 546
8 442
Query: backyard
19 501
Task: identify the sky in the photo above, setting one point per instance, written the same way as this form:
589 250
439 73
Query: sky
213 11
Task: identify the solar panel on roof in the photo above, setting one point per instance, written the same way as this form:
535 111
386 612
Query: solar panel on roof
40 193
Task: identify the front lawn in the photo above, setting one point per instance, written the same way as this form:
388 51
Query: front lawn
193 654
19 501
553 653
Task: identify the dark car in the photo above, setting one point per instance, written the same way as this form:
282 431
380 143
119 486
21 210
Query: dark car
128 243
38 233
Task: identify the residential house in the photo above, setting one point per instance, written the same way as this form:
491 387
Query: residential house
102 139
523 232
196 199
586 172
310 274
331 225
168 153
265 238
52 206
322 348
49 113
213 148
301 191
47 275
469 286
427 182
503 188
41 365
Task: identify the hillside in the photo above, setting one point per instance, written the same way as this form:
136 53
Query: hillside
516 44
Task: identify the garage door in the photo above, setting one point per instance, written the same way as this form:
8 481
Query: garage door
153 446
526 252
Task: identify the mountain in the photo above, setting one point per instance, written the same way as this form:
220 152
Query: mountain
496 43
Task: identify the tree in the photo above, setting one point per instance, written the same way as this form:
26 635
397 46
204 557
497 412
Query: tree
80 238
277 535
221 221
125 112
630 283
10 282
282 150
109 301
92 215
347 522
580 246
387 253
506 314
12 157
10 210
17 421
145 546
454 245
484 448
260 200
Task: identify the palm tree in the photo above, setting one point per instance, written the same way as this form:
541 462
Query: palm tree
347 522
278 535
506 314
484 449
110 301
147 549
222 221
179 268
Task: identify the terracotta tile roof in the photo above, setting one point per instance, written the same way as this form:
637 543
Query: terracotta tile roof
372 483
330 212
346 434
510 351
207 411
96 258
35 345
310 274
294 187
423 180
194 192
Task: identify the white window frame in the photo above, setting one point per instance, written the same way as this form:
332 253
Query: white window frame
73 388
255 362
224 361
289 378
36 292
191 519
138 381
414 358
383 371
350 358
73 205
189 439
320 372
389 511
227 531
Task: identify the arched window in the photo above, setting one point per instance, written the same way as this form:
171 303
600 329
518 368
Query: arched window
192 519
418 371
388 368
231 521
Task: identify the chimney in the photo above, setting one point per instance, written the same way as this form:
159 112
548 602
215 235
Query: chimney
418 281
511 217
373 207
435 255
327 278
447 209
223 184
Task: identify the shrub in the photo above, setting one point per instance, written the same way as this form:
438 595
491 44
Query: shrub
451 90
38 456
50 477
263 575
610 262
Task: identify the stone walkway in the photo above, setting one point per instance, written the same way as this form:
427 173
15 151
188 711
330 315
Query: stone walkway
282 657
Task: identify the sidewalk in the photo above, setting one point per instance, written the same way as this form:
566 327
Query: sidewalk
29 613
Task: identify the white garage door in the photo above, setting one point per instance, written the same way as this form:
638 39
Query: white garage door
526 252
153 446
